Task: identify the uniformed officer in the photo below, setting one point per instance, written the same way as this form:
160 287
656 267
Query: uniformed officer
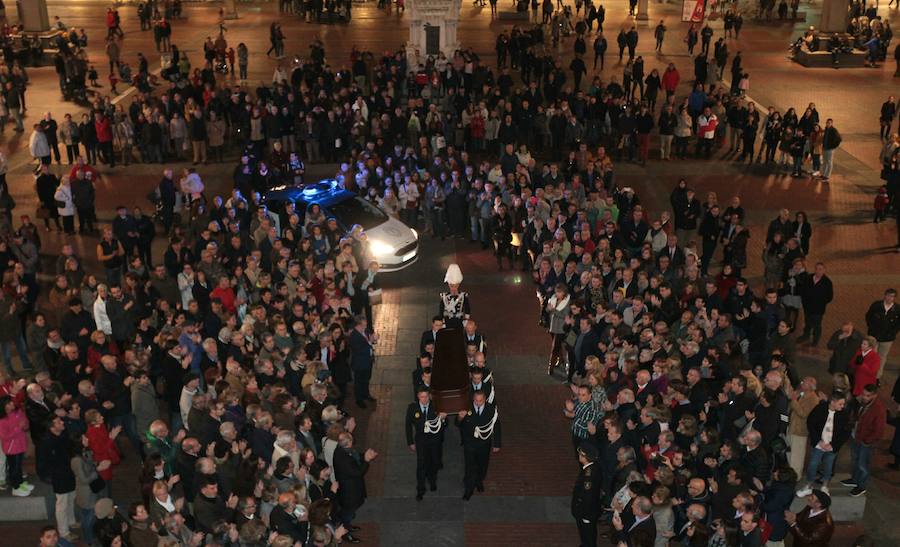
586 495
454 307
425 437
476 376
479 427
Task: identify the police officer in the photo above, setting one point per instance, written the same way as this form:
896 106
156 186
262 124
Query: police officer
478 382
425 437
479 427
586 495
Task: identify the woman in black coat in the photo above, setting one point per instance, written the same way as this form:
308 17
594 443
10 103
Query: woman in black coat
778 498
802 230
340 364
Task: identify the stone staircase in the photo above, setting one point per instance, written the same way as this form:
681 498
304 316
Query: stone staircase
36 507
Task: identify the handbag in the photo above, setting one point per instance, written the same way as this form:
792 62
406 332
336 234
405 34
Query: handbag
61 204
42 213
97 485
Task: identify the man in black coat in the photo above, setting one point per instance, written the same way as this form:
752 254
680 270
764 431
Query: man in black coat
817 292
350 468
362 358
283 519
883 322
425 439
40 412
824 442
306 437
585 345
114 395
210 508
479 427
587 495
53 467
734 408
430 335
641 530
843 344
77 325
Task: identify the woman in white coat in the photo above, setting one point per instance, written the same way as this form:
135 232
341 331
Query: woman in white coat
65 205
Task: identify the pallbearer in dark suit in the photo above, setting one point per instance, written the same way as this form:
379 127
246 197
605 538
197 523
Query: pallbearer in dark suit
429 336
480 384
587 495
479 427
424 435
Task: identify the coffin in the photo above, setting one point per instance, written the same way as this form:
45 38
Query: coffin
450 372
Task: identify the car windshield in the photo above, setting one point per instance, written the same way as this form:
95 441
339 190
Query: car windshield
356 210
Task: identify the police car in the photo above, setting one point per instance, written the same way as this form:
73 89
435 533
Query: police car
393 244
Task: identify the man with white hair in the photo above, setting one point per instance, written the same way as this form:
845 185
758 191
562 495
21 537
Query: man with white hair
286 446
40 411
754 459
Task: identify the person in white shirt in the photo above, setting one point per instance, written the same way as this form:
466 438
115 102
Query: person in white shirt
99 309
706 132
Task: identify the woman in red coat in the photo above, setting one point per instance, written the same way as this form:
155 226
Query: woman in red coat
864 365
102 442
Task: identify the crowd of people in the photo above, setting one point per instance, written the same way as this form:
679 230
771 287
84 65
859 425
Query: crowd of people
226 366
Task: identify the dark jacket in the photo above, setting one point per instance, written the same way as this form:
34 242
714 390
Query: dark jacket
842 350
287 524
815 422
361 357
350 470
883 325
816 296
208 511
53 463
587 494
778 499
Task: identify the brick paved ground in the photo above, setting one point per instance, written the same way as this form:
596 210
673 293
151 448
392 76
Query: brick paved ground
525 500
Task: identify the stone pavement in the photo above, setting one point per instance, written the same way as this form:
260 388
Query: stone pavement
526 502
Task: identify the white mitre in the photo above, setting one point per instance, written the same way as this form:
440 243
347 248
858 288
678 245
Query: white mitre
454 275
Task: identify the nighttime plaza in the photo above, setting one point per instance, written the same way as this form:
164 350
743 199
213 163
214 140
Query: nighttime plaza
449 273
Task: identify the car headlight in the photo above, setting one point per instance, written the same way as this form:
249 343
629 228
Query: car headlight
415 233
380 248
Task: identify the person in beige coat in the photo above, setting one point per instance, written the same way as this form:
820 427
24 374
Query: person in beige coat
803 400
215 135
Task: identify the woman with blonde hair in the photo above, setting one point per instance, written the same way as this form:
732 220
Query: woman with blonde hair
330 442
753 383
840 382
310 375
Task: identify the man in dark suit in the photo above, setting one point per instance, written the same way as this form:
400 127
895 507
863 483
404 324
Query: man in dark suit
641 529
429 336
425 439
673 251
362 358
350 468
474 337
642 389
587 495
305 435
476 376
585 345
479 427
609 458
